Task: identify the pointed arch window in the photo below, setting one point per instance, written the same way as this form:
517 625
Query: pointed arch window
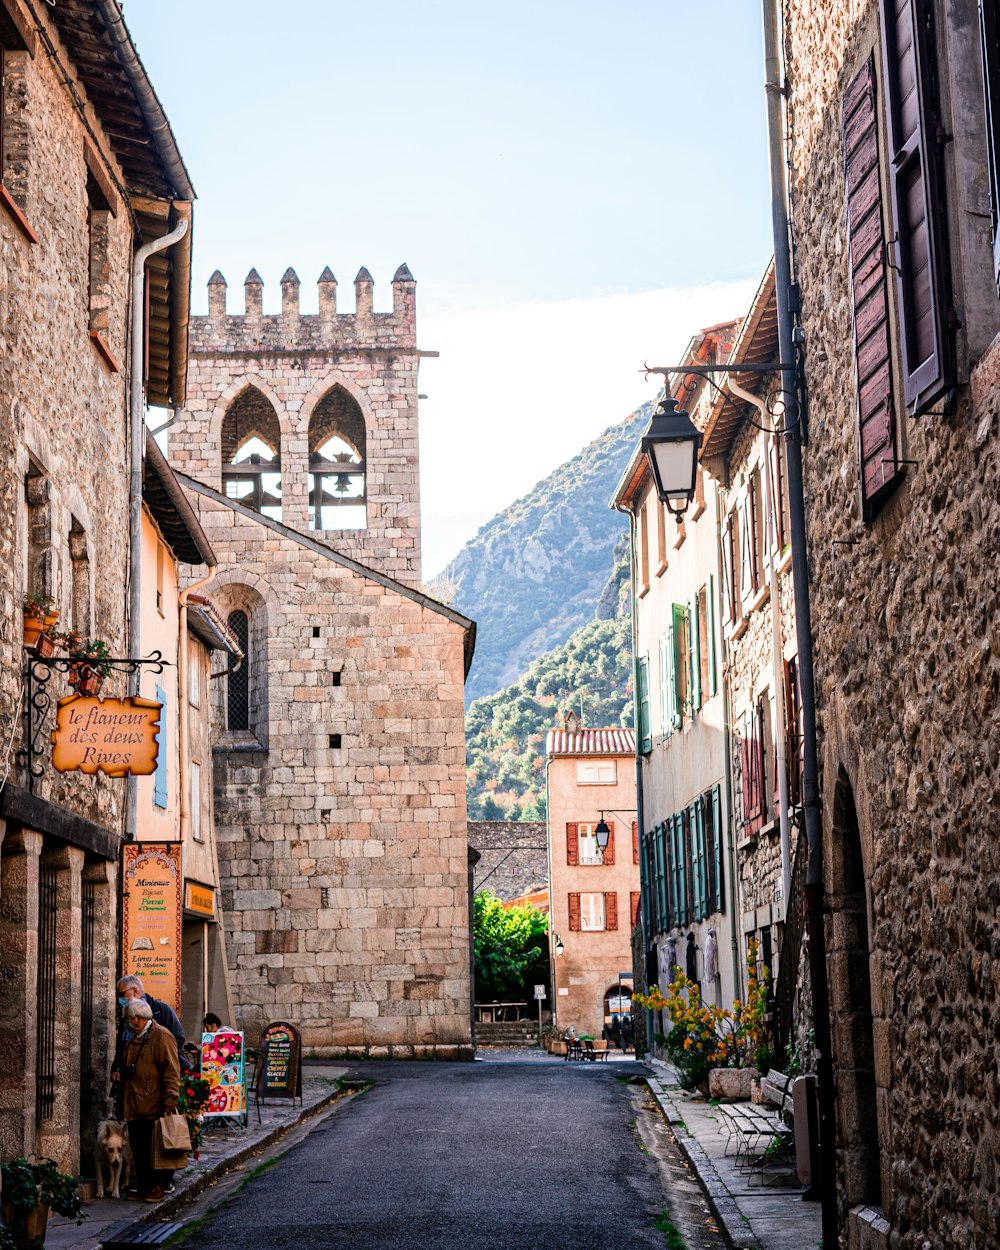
238 681
251 453
338 493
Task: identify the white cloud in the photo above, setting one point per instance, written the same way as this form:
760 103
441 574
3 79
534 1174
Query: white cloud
520 389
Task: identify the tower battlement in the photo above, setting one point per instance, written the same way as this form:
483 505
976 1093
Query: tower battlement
327 330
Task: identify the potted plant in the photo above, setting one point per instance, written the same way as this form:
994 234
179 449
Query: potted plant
31 1187
39 616
88 674
69 640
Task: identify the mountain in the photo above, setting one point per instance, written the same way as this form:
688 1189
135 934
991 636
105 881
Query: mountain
535 573
590 673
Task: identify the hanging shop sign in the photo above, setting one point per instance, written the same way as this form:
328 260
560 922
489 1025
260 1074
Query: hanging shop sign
114 736
279 1073
222 1066
199 899
151 917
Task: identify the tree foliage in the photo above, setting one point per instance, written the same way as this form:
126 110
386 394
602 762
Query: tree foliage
510 948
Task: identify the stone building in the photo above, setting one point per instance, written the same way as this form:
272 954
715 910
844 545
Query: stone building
684 735
891 142
339 753
594 896
512 858
89 172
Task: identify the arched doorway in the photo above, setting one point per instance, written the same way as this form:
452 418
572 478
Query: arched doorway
616 1014
851 1004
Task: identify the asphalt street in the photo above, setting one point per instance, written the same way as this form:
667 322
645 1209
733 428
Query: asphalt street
509 1152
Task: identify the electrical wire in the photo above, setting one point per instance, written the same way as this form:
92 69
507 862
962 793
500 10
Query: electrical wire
13 734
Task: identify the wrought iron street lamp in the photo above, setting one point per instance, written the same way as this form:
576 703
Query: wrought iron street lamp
560 949
671 444
602 832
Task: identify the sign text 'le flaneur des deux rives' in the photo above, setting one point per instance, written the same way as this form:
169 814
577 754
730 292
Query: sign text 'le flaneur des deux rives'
115 736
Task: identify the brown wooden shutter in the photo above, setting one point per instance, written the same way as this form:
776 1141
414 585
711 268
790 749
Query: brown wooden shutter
916 189
609 852
572 844
728 581
635 841
633 900
611 910
574 913
880 470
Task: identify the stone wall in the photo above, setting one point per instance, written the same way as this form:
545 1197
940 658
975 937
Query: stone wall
907 652
294 360
513 856
340 814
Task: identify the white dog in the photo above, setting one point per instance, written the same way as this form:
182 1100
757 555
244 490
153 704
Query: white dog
115 1154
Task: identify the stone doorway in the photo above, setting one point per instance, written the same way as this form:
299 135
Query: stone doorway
859 1161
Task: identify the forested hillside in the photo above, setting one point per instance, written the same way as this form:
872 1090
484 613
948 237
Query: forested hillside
536 572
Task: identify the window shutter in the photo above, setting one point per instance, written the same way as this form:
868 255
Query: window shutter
872 348
793 731
694 653
777 500
633 900
713 676
679 628
989 24
753 523
610 910
720 849
916 190
697 864
609 850
160 776
635 841
662 881
709 834
574 913
642 694
680 869
572 844
728 604
746 541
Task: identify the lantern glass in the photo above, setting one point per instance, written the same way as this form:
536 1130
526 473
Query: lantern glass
675 467
602 833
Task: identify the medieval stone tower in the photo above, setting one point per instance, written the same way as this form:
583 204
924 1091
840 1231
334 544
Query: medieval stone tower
311 419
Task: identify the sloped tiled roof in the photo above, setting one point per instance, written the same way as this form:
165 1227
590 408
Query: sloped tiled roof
590 742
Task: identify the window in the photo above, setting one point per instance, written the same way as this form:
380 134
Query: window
778 501
79 558
659 874
40 574
251 453
160 776
643 539
917 198
695 642
238 693
336 741
582 848
16 38
876 408
194 677
682 661
793 731
101 207
596 773
661 537
714 849
335 677
752 773
645 732
678 859
160 564
730 568
589 851
591 912
635 841
699 859
194 791
338 495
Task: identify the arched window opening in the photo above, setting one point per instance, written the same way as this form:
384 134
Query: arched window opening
251 453
238 680
338 495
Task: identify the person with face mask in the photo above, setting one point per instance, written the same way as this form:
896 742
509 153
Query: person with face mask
130 990
151 1086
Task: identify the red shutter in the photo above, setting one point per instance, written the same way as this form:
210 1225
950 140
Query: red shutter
574 913
633 899
611 910
572 844
872 353
916 189
635 841
609 852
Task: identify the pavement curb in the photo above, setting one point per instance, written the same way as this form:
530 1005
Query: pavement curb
186 1192
731 1221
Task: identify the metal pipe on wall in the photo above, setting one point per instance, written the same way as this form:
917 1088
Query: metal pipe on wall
792 431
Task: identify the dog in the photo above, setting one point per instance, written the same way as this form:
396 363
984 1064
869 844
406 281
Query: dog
115 1154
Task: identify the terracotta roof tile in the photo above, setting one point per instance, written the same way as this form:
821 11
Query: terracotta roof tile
590 742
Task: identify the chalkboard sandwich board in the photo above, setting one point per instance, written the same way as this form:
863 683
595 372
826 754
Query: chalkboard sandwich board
279 1072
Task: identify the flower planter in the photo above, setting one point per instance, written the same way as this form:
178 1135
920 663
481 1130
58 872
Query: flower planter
24 1226
44 647
85 680
33 626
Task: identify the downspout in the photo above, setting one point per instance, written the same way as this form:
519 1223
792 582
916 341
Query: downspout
548 861
803 628
137 421
183 749
777 672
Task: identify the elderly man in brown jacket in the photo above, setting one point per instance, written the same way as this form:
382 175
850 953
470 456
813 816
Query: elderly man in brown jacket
151 1076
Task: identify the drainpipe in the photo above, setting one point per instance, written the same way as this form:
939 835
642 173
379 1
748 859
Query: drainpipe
183 749
803 628
137 421
777 671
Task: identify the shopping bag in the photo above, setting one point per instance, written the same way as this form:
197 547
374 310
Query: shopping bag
169 1158
176 1132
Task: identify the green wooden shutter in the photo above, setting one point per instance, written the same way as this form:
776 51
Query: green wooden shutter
679 627
642 705
679 866
667 682
697 862
720 849
662 889
713 674
694 653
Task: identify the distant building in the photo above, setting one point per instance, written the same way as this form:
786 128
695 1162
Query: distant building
339 743
594 897
513 863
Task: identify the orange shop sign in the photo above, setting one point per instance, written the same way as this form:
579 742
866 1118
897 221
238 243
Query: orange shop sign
151 917
116 736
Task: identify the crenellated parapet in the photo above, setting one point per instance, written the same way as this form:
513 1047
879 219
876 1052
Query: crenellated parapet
327 330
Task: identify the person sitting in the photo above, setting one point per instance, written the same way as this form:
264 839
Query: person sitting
212 1024
150 1078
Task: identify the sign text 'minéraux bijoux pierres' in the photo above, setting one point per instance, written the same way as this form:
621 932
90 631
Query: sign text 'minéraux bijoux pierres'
116 736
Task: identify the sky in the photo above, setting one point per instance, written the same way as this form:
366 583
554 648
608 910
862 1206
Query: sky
577 186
